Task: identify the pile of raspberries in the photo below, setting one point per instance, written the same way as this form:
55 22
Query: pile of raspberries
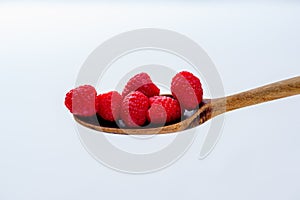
140 102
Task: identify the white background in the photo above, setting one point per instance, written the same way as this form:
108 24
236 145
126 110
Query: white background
42 47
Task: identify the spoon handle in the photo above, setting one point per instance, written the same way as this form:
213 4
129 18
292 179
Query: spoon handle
277 90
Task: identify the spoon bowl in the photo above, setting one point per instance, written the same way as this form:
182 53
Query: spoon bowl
208 109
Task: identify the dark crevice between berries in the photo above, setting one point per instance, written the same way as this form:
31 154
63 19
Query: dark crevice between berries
99 121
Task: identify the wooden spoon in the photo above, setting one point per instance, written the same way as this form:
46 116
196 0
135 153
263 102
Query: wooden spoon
208 109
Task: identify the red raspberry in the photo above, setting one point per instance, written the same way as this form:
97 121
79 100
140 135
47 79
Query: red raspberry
82 100
109 105
134 109
163 110
143 83
187 89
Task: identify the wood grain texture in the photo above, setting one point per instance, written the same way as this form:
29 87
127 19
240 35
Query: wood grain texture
210 108
258 95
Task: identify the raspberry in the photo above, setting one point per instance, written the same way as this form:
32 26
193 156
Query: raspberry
163 110
109 105
82 100
134 109
143 83
187 89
